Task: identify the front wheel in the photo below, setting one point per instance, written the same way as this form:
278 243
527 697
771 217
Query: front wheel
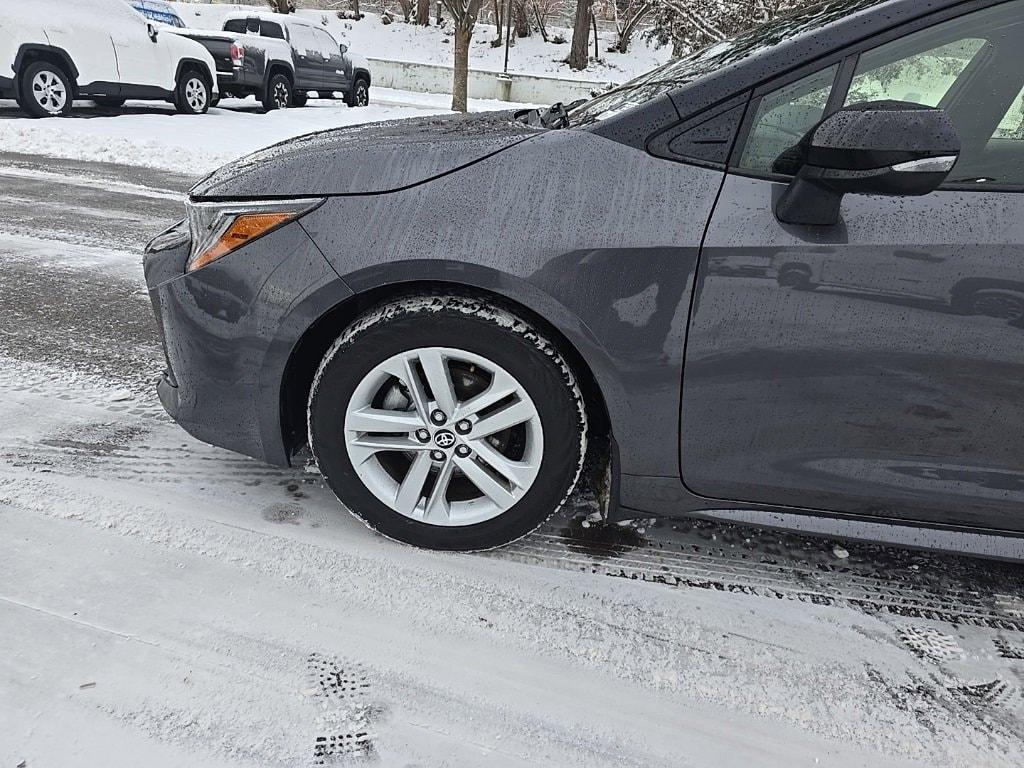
447 423
359 93
45 90
192 95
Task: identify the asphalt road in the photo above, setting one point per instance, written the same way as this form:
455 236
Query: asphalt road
931 643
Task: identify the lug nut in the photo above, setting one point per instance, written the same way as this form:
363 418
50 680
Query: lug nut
463 427
437 455
438 417
423 435
462 451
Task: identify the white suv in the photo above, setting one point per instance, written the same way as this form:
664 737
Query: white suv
53 51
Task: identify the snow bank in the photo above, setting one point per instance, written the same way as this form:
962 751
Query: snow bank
151 135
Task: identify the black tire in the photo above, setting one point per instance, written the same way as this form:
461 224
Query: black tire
359 94
192 94
479 328
46 90
279 93
300 99
109 102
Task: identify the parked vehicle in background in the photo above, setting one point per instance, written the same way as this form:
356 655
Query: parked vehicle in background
158 11
281 60
55 51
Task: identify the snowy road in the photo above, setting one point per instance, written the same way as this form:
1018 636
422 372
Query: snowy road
167 603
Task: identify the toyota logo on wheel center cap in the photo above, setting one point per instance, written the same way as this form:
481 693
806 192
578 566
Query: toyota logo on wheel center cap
444 439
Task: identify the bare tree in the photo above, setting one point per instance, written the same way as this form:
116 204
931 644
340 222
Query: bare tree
406 7
578 56
423 13
628 15
520 18
282 6
544 10
693 24
463 13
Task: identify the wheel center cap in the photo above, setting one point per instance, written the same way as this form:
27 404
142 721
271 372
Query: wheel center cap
444 439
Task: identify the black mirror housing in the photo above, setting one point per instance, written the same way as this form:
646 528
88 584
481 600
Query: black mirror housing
152 31
874 148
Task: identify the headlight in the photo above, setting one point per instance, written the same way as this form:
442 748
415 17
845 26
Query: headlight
219 228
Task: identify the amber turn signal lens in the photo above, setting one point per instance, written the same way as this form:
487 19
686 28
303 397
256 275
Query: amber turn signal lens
244 229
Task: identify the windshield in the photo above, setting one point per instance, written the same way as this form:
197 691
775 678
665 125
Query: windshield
720 55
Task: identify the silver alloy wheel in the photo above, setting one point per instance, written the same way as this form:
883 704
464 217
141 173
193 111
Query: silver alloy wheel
437 458
49 92
281 96
362 94
195 94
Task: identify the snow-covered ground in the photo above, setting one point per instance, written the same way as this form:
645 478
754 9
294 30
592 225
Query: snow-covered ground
432 45
166 603
153 135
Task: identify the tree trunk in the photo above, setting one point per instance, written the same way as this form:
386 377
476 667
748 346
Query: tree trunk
355 9
522 22
423 13
597 41
580 36
540 23
498 7
462 39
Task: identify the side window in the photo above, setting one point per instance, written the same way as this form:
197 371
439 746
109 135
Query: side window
325 44
900 72
271 29
783 117
302 39
972 66
235 26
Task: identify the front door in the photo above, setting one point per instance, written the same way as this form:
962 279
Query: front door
309 60
875 367
335 64
144 65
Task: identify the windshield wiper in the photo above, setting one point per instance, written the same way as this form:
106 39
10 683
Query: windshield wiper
556 116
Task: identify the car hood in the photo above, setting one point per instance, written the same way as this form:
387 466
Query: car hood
366 159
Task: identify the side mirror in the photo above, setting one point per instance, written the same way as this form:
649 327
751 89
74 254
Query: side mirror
875 148
153 33
344 49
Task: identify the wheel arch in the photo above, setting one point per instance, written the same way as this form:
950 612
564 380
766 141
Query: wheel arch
31 52
307 353
186 65
363 73
276 66
970 285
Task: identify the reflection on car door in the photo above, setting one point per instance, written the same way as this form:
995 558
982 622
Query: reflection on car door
890 390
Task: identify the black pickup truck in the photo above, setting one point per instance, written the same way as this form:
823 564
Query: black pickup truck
281 60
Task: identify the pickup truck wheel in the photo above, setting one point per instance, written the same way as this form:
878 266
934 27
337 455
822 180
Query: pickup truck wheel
359 93
300 99
192 95
45 90
279 93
